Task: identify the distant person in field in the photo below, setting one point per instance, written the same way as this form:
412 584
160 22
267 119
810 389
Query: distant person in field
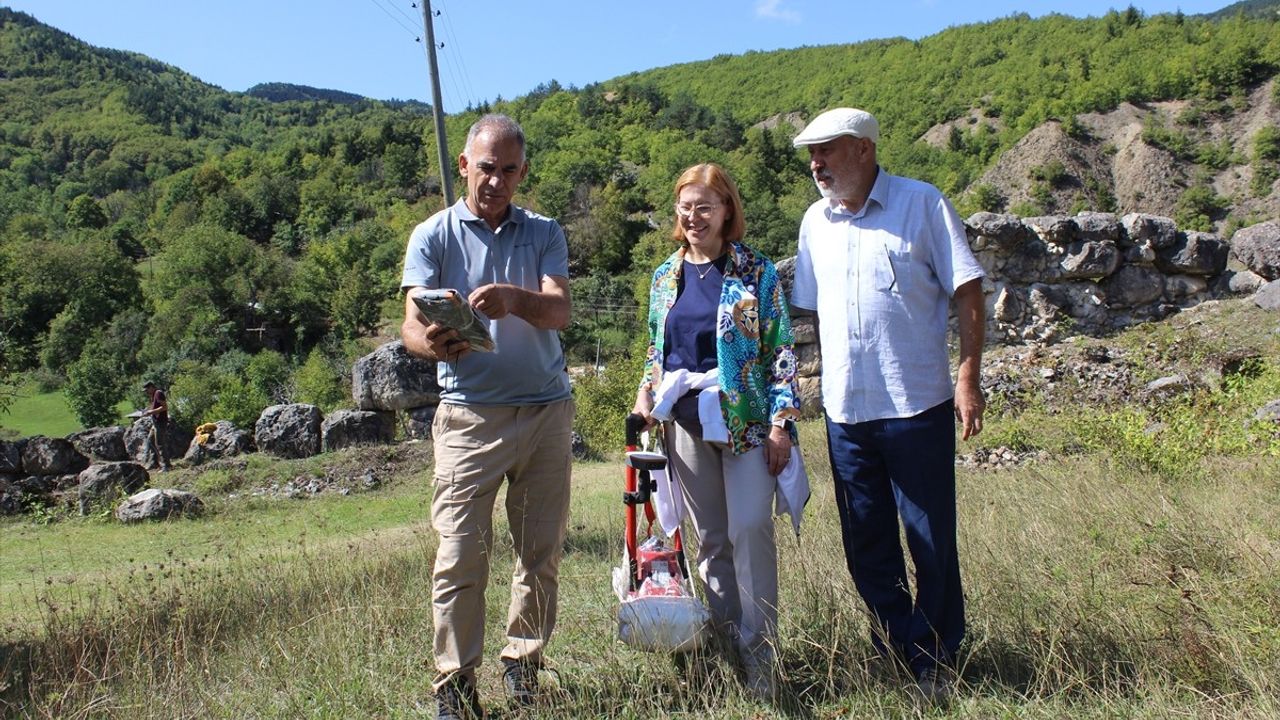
504 416
881 258
721 374
158 411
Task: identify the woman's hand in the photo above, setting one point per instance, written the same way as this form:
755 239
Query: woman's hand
777 449
644 407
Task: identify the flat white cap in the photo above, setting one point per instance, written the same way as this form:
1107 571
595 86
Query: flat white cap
839 121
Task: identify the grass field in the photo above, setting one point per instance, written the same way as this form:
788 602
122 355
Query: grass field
1135 573
1094 591
43 413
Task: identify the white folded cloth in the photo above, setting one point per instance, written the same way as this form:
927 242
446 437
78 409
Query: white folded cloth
676 384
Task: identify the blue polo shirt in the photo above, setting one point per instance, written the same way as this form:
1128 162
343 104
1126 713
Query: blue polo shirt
456 249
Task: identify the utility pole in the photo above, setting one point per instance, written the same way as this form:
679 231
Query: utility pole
437 112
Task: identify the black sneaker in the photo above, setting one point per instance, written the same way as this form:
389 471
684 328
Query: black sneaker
936 685
521 681
457 700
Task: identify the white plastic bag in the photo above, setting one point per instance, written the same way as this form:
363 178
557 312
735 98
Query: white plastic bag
663 614
663 623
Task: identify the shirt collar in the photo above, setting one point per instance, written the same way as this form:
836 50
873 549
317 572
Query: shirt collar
879 195
515 213
737 264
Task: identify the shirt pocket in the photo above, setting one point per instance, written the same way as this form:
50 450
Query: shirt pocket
884 271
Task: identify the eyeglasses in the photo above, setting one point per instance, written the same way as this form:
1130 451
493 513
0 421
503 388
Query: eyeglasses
702 210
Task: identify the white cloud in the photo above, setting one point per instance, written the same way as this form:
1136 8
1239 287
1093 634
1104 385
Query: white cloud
771 10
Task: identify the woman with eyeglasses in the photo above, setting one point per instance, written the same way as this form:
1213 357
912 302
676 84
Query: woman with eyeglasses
720 376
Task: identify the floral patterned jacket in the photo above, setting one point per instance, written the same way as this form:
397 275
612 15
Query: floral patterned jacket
755 350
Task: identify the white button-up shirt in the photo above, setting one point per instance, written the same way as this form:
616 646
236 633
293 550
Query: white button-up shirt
881 280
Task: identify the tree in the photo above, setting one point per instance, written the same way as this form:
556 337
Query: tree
85 212
8 381
94 386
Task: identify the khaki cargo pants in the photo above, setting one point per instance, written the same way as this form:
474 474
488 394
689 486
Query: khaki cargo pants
476 449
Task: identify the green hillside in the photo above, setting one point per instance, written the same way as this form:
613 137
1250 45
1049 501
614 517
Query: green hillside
242 250
1020 70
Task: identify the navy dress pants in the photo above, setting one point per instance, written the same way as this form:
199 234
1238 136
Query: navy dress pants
902 468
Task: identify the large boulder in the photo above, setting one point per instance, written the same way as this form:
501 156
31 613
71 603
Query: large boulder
52 456
1098 227
1193 253
347 428
226 440
104 444
1258 247
1153 231
159 504
290 431
10 497
417 422
1268 296
786 268
1055 229
1132 285
1004 232
173 441
389 378
11 457
1092 260
102 482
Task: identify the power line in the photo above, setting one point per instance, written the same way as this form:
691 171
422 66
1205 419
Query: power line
412 33
412 20
457 47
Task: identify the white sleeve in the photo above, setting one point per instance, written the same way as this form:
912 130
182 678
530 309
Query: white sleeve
804 287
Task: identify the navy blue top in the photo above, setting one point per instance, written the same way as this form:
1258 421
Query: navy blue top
691 331
691 323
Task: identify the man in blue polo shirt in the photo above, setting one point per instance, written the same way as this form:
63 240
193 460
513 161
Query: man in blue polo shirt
880 259
503 415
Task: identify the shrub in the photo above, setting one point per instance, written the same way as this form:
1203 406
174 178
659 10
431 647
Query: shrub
986 198
322 382
269 374
1054 173
239 401
1266 160
604 401
194 393
1198 207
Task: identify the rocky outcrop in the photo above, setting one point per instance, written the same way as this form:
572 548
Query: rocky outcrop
1268 296
105 444
11 497
290 431
11 457
1258 247
226 440
1090 273
51 456
347 428
390 378
159 504
103 481
173 442
417 424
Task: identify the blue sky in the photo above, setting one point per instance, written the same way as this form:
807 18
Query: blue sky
503 47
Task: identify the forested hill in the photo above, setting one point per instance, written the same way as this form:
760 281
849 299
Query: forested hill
1266 9
282 92
239 249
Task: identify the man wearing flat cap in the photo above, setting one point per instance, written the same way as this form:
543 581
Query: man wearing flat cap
881 258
